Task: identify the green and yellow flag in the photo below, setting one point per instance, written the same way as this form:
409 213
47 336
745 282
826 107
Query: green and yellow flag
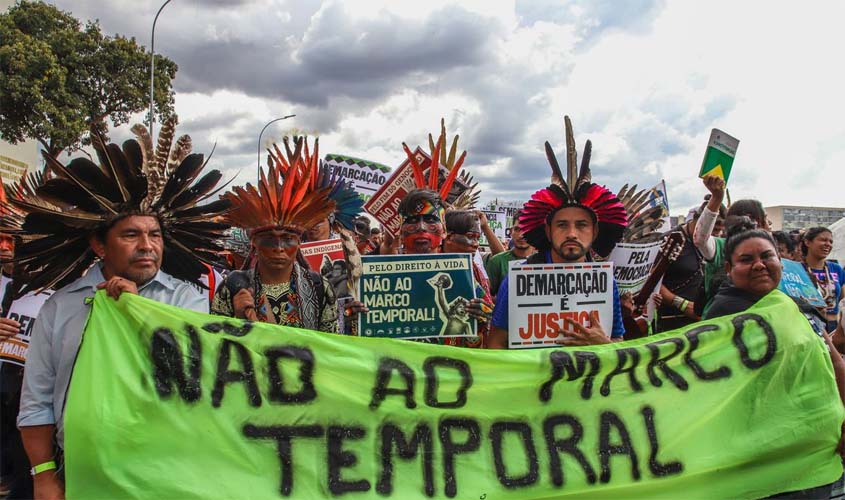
167 403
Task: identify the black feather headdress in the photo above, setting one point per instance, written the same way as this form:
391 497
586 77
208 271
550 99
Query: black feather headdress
576 190
83 197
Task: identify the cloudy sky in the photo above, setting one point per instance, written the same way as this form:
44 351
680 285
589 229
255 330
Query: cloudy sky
645 80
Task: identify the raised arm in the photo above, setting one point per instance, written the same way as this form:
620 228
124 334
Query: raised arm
702 238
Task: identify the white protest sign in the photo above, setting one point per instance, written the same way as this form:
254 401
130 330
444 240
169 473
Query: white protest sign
497 222
632 264
366 176
542 296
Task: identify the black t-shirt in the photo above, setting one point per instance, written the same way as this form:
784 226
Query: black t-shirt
684 275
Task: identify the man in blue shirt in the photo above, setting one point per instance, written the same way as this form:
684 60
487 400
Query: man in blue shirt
566 223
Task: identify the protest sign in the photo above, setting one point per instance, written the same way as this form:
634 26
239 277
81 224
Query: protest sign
366 176
199 406
23 310
796 283
326 257
497 222
416 296
384 203
632 264
541 297
719 157
320 254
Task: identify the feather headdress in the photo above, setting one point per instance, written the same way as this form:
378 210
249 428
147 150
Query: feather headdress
576 190
454 191
348 204
83 198
645 216
287 196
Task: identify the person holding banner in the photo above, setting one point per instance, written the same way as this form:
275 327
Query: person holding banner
754 269
138 226
567 222
281 288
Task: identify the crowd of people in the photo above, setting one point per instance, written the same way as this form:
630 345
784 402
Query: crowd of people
150 222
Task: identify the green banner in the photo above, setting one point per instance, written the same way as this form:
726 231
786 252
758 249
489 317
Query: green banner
167 403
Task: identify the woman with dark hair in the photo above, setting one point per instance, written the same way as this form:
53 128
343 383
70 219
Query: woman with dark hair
712 248
753 266
754 269
827 275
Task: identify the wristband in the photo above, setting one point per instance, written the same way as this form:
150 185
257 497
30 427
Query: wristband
677 302
684 305
38 469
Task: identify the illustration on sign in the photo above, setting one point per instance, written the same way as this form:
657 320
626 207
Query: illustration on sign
417 296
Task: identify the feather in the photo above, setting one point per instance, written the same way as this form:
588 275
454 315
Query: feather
571 155
557 175
419 178
62 171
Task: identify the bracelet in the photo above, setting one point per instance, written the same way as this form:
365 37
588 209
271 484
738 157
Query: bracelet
684 305
677 302
38 469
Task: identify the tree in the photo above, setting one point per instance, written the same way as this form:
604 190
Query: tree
58 78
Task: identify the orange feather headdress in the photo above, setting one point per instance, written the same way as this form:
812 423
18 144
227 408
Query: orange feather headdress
288 197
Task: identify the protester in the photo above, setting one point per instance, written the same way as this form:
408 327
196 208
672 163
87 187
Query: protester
463 232
147 237
786 245
754 269
16 322
711 247
565 223
827 275
497 265
680 287
280 288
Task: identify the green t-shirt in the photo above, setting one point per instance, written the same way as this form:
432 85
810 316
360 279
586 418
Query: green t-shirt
497 269
714 273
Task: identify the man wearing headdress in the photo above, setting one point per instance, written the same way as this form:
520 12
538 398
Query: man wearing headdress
133 224
423 229
280 288
566 222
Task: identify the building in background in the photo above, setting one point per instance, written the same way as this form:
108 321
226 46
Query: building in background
789 217
18 159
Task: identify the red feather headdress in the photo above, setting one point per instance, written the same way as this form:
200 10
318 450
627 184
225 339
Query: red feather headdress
575 191
288 197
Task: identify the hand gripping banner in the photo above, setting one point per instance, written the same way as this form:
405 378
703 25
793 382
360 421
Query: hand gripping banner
167 403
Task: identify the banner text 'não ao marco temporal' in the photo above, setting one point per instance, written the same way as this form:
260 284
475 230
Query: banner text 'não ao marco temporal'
212 407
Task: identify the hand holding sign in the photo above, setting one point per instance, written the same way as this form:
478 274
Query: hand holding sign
582 335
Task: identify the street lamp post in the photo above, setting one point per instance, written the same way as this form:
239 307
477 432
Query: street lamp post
259 141
153 67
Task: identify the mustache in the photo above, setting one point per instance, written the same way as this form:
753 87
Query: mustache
136 256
